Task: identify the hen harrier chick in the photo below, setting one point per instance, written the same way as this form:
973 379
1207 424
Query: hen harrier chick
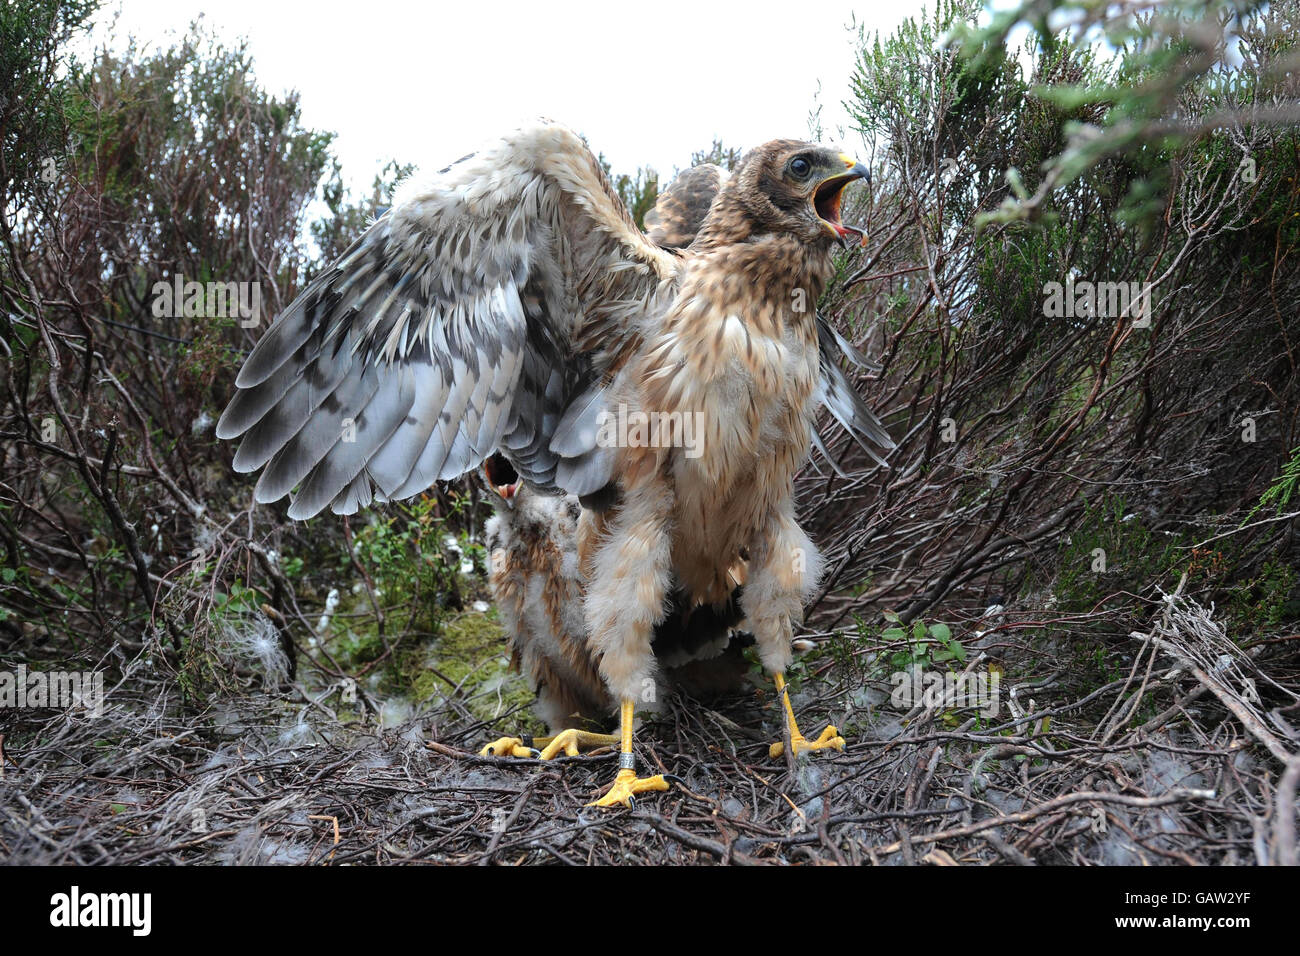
509 302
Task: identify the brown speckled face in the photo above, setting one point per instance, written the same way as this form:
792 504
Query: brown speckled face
797 187
784 188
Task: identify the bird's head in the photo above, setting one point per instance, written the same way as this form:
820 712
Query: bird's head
794 187
501 479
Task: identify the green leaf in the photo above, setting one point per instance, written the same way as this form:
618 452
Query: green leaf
894 634
940 632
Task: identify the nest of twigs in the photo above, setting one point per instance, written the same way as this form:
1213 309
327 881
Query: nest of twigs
1057 775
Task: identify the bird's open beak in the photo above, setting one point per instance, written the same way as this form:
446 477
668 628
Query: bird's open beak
501 477
827 196
507 492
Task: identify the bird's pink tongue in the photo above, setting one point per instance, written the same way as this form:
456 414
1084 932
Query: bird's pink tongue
846 231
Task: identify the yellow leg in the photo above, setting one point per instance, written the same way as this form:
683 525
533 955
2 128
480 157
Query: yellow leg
627 784
830 737
566 742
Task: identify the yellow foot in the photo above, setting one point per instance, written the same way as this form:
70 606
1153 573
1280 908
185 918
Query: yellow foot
508 747
626 785
566 742
830 739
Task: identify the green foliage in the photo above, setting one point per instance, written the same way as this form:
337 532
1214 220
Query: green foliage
407 558
893 78
1134 558
36 101
204 665
1279 493
639 191
728 157
927 644
205 161
1263 602
1013 268
1114 144
1115 113
469 662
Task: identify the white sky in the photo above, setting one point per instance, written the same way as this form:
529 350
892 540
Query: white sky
646 83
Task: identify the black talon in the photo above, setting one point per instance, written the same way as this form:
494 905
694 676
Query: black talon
535 753
673 778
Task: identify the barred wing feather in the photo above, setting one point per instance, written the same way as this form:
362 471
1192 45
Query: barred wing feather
468 318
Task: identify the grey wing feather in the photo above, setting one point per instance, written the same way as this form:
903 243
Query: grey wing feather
832 341
541 398
451 328
820 444
303 448
587 473
578 429
362 436
585 466
843 401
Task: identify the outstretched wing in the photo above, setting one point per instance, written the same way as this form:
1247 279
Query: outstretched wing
680 209
676 218
490 301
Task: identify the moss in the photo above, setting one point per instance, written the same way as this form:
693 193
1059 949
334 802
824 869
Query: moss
471 653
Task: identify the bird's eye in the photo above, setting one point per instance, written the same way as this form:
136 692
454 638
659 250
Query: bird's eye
800 168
